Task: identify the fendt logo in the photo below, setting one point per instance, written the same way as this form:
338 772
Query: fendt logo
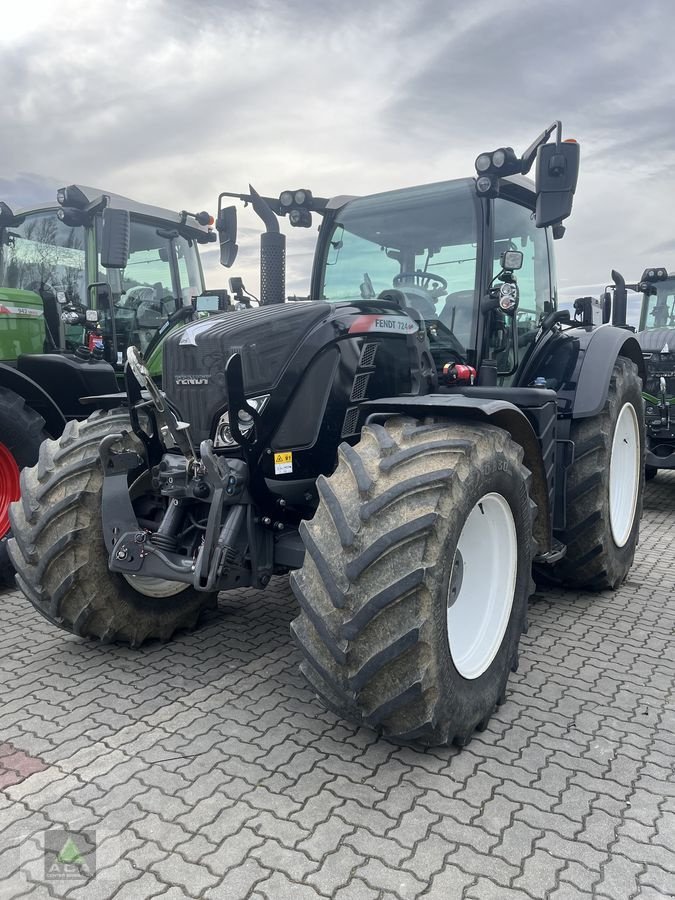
191 379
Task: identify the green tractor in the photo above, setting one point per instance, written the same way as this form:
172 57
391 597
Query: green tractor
656 333
411 443
70 306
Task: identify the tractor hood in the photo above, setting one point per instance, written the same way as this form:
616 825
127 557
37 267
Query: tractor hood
195 357
657 340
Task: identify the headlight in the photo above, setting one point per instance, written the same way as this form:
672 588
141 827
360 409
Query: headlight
224 436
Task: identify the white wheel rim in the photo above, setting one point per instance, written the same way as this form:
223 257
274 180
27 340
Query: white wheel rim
479 605
150 586
624 474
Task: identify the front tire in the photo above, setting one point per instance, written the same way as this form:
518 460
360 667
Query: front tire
59 551
605 488
416 579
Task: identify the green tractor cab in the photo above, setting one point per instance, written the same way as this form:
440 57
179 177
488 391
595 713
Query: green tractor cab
656 334
81 279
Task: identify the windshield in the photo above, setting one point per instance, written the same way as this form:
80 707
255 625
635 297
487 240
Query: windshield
162 274
661 306
420 240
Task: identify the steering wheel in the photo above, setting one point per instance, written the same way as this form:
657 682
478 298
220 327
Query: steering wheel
421 279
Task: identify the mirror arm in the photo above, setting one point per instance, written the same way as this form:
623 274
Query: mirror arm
530 154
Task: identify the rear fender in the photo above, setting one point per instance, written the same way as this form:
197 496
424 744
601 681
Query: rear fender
600 349
494 412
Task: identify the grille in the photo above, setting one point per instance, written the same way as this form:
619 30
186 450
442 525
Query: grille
661 365
368 356
360 387
351 419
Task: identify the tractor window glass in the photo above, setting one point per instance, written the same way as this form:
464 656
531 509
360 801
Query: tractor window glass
189 270
514 229
45 256
144 293
661 306
422 241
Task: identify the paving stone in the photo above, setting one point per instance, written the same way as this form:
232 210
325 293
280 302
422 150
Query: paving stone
238 882
391 881
389 851
279 885
233 850
273 855
657 879
326 837
483 888
175 869
335 871
208 760
285 831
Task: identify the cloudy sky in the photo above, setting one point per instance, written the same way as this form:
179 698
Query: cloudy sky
172 101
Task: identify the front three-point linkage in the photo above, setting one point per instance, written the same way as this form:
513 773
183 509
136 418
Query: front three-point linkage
185 480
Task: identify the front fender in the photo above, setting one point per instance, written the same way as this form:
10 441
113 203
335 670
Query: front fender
497 412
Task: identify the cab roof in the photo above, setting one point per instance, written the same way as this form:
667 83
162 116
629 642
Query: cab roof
117 201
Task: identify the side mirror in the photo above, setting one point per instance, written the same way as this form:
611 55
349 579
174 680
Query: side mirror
226 226
115 238
556 181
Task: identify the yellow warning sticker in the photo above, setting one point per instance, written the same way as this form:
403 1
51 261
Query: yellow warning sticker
283 463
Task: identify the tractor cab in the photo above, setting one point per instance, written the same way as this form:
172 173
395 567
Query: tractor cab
658 304
64 288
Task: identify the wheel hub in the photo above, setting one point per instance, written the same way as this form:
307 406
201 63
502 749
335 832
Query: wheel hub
456 578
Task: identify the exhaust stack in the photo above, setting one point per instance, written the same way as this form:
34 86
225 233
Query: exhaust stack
272 253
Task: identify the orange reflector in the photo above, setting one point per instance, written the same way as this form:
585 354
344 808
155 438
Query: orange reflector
570 141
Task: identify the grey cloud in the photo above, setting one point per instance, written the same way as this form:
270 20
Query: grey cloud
172 102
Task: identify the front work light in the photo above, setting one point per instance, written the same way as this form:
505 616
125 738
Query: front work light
487 185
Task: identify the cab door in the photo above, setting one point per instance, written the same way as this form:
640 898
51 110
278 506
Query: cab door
511 338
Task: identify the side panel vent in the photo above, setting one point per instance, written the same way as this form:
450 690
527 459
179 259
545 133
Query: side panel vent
368 356
350 422
360 387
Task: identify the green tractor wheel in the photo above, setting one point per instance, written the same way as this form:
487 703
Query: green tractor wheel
22 431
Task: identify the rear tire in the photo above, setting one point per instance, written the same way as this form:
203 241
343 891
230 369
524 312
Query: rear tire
59 551
383 643
22 431
602 530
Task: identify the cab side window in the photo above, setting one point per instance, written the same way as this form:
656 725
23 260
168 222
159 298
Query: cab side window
47 257
514 229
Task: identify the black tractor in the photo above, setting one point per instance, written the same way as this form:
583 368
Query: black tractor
413 441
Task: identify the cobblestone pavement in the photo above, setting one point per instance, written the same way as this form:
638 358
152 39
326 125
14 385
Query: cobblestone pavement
207 769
